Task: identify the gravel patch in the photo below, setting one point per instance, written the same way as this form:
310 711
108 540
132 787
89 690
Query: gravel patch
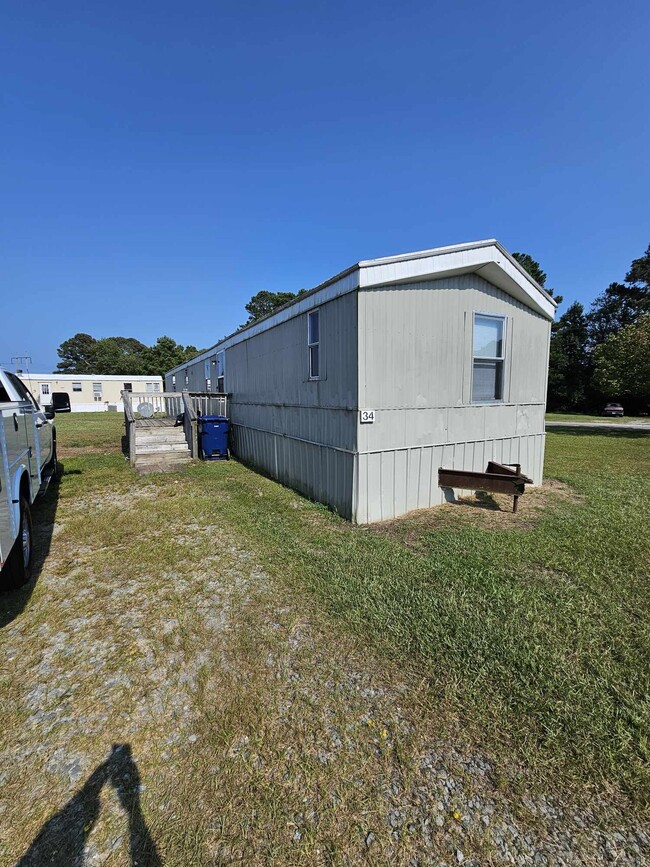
99 661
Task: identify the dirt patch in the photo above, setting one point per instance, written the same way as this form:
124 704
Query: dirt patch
480 510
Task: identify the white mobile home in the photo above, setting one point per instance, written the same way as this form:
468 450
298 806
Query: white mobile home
88 392
358 391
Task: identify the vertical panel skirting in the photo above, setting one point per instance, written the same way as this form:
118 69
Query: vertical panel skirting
322 473
392 483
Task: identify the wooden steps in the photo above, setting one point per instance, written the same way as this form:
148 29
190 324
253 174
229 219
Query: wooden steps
160 448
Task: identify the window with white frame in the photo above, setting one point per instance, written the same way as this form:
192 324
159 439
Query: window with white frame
76 386
313 343
45 388
488 358
152 387
221 371
97 392
128 386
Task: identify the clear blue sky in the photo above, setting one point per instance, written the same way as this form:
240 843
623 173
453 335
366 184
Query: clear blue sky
162 162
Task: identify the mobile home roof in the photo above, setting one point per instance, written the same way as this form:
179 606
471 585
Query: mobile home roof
90 377
488 257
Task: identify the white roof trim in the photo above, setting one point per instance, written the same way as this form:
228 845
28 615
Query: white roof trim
489 257
88 377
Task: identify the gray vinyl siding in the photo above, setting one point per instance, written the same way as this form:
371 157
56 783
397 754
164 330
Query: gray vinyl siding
415 370
404 351
299 431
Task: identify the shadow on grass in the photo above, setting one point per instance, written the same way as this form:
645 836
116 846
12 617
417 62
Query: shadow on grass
62 839
598 432
13 602
482 500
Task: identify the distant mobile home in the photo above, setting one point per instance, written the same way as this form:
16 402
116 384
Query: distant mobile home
358 391
88 392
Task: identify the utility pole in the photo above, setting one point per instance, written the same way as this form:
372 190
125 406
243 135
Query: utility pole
20 361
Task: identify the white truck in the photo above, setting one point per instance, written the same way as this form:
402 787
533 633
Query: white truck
28 463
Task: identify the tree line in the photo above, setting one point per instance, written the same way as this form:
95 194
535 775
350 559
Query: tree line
603 353
596 355
121 356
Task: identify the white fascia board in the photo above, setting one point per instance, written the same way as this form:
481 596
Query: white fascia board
488 258
346 282
89 377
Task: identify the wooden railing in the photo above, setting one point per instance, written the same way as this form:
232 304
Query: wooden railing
190 425
129 426
171 404
209 404
159 404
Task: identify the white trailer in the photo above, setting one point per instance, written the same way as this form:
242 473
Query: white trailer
27 464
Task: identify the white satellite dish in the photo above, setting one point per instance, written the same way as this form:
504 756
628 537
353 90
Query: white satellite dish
145 410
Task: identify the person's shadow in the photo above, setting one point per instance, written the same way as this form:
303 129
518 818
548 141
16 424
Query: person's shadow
62 839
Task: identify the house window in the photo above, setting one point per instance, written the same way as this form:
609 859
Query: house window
313 343
128 386
152 387
76 386
488 358
221 371
45 388
97 391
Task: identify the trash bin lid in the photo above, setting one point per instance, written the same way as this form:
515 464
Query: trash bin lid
213 418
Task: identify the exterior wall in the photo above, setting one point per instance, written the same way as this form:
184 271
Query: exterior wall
415 369
404 351
84 400
298 431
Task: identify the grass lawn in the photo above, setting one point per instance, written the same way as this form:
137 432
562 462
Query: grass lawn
536 632
288 683
568 416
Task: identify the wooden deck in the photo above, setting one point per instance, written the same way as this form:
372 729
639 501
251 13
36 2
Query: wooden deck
154 422
158 444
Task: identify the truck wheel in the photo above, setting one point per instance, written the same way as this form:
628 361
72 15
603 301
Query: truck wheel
19 563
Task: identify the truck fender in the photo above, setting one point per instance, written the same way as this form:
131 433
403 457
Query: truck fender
21 473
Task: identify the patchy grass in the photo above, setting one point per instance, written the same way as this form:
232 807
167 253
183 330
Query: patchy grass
567 416
296 690
99 431
540 639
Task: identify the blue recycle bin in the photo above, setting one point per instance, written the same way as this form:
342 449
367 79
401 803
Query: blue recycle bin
213 436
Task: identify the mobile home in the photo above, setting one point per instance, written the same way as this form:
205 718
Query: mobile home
88 392
359 390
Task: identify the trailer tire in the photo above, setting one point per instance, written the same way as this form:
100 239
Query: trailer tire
18 569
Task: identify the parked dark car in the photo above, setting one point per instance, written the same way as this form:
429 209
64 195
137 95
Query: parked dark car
613 409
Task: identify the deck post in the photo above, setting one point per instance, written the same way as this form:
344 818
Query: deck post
129 425
190 425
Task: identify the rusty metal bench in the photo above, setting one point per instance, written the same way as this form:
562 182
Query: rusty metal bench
497 479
